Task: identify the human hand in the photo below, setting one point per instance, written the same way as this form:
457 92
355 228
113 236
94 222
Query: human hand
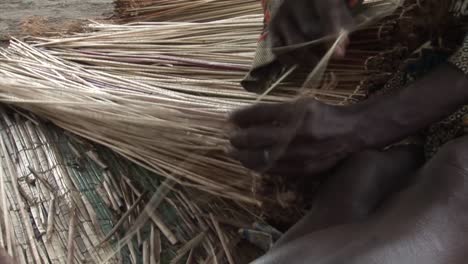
301 138
300 21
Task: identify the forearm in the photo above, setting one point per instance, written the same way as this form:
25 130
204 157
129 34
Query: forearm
393 117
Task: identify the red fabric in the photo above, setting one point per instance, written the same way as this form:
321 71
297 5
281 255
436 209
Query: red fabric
266 20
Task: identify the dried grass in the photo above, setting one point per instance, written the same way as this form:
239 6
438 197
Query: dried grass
156 110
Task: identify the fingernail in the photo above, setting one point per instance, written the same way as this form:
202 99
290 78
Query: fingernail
339 52
232 153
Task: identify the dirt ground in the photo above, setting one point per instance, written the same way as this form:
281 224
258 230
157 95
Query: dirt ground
41 17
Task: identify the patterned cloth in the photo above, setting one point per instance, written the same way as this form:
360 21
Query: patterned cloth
265 67
422 63
453 126
460 58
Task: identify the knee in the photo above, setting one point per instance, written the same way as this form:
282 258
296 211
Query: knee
390 165
454 152
367 160
366 156
374 175
447 173
407 157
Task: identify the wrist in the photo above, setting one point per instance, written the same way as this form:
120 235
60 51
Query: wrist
389 118
362 130
324 122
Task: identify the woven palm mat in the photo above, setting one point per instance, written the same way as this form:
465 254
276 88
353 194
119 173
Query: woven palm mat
65 200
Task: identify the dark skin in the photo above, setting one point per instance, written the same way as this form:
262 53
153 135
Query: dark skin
425 221
366 212
308 137
291 25
4 258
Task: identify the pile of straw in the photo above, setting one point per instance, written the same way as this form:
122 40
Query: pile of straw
158 93
175 133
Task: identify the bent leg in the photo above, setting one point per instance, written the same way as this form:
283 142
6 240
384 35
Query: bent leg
424 223
357 187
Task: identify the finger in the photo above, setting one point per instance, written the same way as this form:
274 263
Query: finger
258 160
282 40
261 114
309 54
291 35
261 137
292 31
277 27
305 168
286 28
340 50
276 35
307 57
337 17
302 153
304 149
304 56
318 167
287 169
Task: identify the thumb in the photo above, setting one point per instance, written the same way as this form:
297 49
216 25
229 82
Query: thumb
342 45
339 20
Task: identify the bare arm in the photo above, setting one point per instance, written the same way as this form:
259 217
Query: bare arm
308 137
396 116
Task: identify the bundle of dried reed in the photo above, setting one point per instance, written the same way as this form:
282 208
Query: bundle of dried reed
208 58
157 93
178 134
